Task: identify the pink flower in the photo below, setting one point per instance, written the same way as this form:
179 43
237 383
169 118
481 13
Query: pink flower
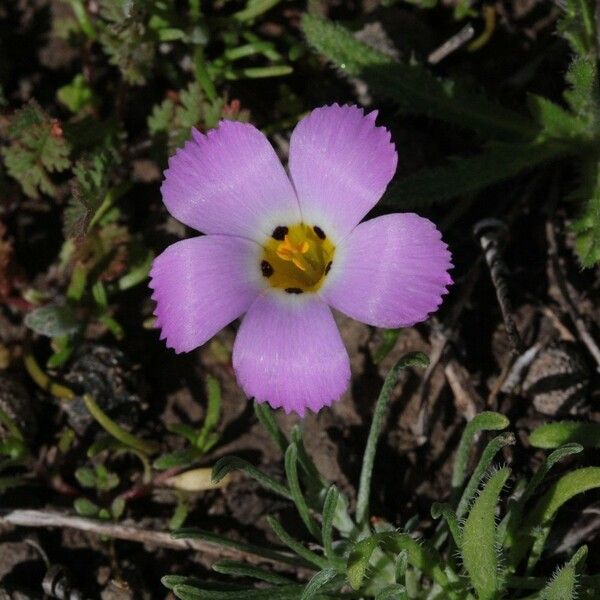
282 252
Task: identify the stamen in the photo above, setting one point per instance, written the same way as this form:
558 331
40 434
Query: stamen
320 233
291 252
266 268
294 290
279 233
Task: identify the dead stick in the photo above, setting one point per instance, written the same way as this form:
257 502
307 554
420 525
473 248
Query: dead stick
487 232
130 533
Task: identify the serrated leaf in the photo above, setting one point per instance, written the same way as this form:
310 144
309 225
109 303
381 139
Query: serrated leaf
52 320
88 190
126 39
479 551
556 122
76 95
37 148
413 87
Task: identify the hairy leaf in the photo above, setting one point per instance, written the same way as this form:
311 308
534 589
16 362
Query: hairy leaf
414 88
468 175
553 435
479 551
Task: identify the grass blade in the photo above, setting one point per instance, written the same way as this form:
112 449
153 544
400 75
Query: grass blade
414 359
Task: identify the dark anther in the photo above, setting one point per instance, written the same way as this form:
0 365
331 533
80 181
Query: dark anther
266 268
320 233
328 267
279 233
293 290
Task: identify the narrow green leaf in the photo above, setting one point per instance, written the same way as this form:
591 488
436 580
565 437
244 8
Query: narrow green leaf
569 485
213 413
393 592
227 464
219 540
321 581
538 522
413 87
143 446
479 551
240 569
414 359
187 592
481 469
329 508
291 471
468 175
179 458
515 514
445 510
266 417
295 546
485 421
390 337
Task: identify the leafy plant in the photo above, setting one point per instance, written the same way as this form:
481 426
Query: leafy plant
485 546
512 142
36 148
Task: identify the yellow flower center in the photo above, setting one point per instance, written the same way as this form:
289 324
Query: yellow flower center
297 258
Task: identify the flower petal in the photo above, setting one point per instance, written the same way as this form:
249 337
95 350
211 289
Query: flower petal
289 353
201 285
391 271
230 181
340 163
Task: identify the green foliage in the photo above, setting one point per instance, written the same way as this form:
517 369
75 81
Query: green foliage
378 561
513 143
416 359
89 190
200 440
564 585
37 148
126 39
412 86
77 95
479 547
52 320
553 435
587 226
